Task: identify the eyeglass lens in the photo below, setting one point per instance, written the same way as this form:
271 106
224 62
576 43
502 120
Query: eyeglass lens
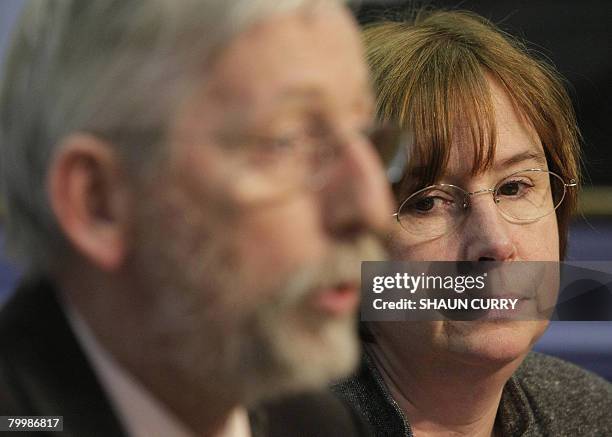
521 197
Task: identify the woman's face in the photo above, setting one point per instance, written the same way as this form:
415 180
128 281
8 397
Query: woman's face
484 234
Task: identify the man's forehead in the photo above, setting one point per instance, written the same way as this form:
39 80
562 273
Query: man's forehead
298 56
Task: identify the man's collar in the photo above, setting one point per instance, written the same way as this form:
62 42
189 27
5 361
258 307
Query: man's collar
48 372
140 412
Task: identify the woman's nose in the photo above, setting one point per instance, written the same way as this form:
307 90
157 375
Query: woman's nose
487 234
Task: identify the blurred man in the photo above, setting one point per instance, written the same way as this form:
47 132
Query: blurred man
191 192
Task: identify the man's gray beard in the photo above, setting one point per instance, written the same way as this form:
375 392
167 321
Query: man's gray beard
220 333
289 345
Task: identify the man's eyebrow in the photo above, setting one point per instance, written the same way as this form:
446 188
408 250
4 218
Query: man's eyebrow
527 155
311 94
299 93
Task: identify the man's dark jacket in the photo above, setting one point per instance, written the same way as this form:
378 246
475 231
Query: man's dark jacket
44 372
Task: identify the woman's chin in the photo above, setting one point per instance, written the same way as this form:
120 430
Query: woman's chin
493 342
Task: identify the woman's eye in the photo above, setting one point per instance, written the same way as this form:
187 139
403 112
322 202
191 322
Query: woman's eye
425 204
513 188
432 202
509 189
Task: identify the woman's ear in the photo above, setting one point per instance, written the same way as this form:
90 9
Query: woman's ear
89 194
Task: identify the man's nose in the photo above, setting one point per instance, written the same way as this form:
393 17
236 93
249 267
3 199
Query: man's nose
487 234
358 196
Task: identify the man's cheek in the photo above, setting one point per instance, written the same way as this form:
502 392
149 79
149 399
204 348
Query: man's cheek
283 244
267 257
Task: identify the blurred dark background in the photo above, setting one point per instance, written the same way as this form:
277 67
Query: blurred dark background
576 37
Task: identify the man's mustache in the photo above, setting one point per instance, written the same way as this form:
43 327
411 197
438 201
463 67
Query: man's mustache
342 266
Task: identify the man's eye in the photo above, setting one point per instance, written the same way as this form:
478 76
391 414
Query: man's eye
289 141
283 143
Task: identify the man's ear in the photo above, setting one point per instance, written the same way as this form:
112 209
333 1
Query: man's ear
89 194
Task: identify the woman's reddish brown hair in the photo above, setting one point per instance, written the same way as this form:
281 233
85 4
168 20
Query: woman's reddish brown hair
431 78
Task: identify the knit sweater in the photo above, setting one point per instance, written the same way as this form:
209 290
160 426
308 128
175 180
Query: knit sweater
545 397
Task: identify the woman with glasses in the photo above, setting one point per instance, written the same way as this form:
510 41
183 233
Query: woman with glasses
491 176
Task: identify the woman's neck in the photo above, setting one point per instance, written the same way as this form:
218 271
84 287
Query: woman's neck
442 398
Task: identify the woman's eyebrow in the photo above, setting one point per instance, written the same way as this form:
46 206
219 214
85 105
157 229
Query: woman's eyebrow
417 172
527 155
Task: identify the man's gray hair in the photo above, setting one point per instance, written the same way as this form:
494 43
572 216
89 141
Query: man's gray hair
115 68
